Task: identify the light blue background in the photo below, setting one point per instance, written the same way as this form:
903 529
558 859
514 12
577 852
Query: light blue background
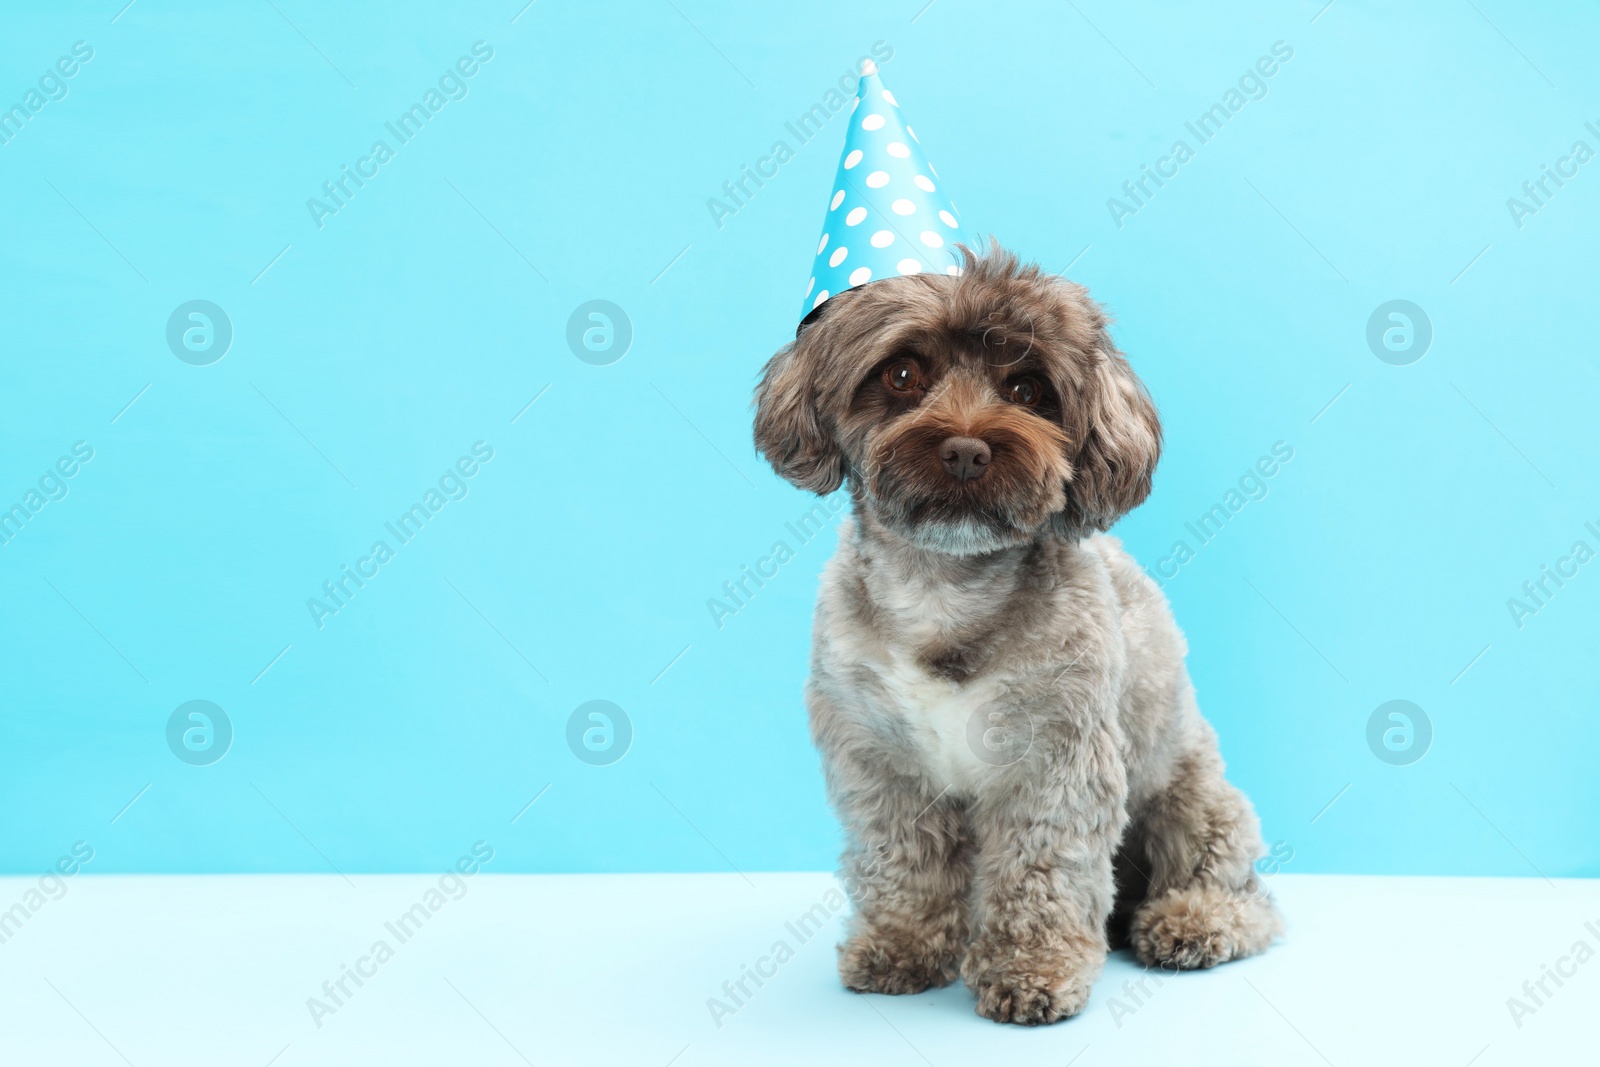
424 717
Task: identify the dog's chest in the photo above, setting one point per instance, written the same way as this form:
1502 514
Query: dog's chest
946 719
933 675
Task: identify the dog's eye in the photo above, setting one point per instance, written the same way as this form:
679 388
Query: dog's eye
903 376
1025 391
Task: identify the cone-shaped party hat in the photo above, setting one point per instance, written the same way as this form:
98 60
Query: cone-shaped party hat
889 214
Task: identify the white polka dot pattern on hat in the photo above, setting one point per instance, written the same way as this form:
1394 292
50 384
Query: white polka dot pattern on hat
883 185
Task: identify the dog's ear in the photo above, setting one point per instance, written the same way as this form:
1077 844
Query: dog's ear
1121 442
790 431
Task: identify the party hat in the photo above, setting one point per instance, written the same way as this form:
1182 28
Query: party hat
889 214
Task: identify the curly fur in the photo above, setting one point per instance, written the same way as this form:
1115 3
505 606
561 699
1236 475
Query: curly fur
1008 730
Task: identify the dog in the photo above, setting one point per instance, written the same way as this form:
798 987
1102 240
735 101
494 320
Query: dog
1008 731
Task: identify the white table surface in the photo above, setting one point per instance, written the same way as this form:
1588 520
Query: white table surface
617 969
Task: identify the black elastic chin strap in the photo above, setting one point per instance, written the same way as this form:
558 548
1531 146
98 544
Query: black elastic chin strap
811 316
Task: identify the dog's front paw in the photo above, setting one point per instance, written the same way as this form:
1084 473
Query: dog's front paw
1202 926
879 962
1041 984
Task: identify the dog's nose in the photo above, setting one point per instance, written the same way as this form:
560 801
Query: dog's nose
964 457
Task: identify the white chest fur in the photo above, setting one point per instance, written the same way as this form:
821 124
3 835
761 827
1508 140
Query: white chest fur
945 718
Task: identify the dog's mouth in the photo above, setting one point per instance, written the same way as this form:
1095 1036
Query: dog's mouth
961 518
977 484
940 528
962 505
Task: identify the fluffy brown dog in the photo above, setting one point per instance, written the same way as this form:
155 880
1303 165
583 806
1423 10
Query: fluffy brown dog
1008 730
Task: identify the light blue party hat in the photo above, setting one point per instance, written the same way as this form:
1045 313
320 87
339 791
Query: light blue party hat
889 214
